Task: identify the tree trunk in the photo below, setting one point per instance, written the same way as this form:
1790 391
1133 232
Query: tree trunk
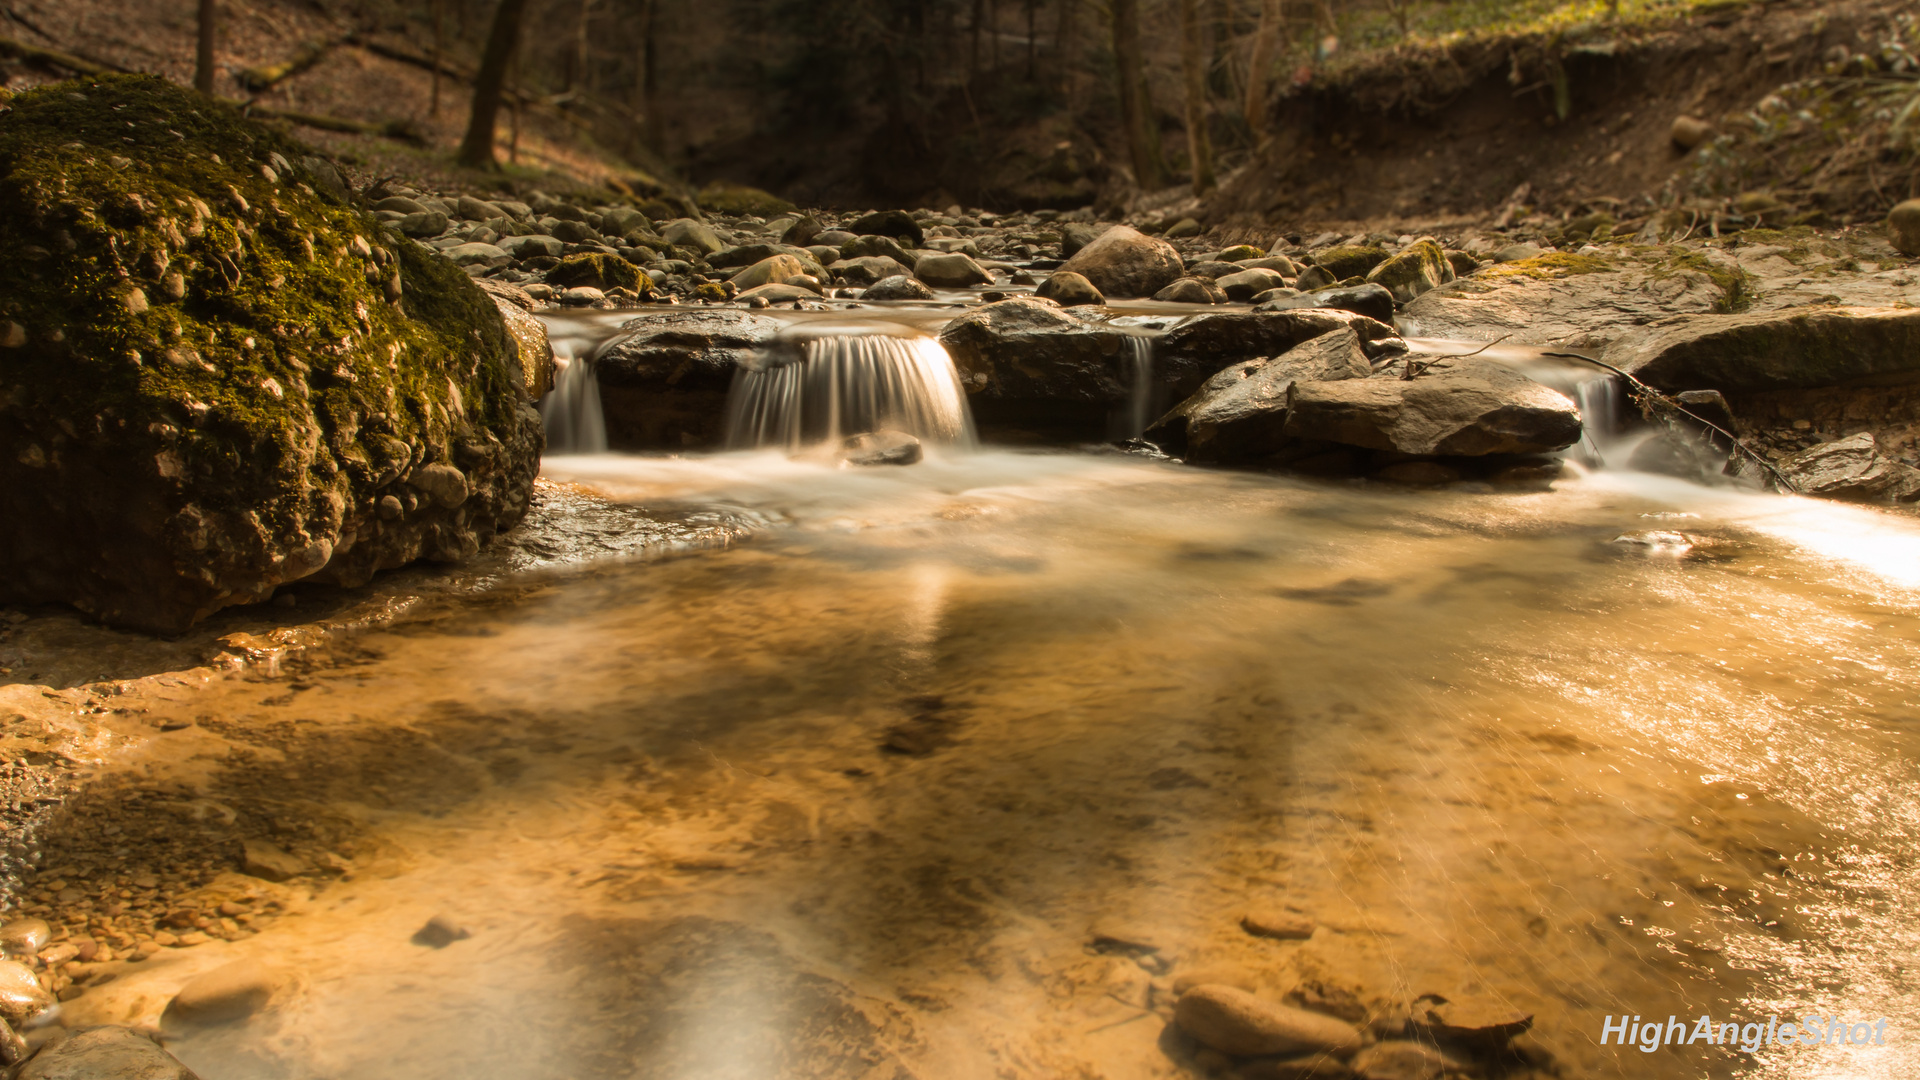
579 79
477 149
203 51
1222 80
1063 50
1136 108
1193 64
973 52
439 50
1266 38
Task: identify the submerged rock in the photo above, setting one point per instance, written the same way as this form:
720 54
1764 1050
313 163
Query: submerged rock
1239 414
1851 468
950 271
1236 1022
1471 407
105 1053
230 370
664 383
881 448
24 937
1124 262
223 995
1398 1059
440 932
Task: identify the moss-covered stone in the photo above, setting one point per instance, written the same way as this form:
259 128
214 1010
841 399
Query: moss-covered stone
721 197
1549 267
1241 251
599 271
1354 260
1736 285
1422 267
214 373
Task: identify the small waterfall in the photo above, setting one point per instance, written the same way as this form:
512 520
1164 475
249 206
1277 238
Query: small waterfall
1139 362
846 385
1601 399
571 410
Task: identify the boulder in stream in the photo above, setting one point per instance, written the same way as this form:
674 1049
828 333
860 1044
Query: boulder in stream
868 270
897 287
1125 262
1852 468
1796 349
1068 289
231 992
1469 407
105 1053
228 370
664 382
950 271
1371 300
1239 415
1421 268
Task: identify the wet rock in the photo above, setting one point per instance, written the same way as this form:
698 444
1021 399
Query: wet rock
777 270
802 232
1903 227
1852 468
1422 267
1189 290
1221 974
528 247
1371 300
13 1048
863 247
1123 937
24 937
1246 284
1074 236
1312 1067
1236 1022
897 287
1687 132
1477 1023
881 448
691 234
1183 228
223 995
440 932
22 998
1200 345
424 224
1787 350
267 861
1030 349
472 209
894 223
596 271
398 204
105 1053
1401 1060
1313 277
1470 407
1211 269
1341 263
664 383
950 271
257 455
1123 262
777 294
535 351
868 270
1239 414
1068 289
1276 923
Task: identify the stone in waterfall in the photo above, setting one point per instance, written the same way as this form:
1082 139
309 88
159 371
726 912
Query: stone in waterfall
1238 1023
1373 301
1239 415
950 271
897 287
881 448
1796 349
1191 290
1068 289
1852 468
897 224
868 270
171 451
1124 262
1246 284
105 1053
1422 267
664 383
1466 407
1031 349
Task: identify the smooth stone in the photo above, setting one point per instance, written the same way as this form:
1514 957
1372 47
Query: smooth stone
1247 284
1372 300
1402 1060
778 294
1189 290
951 271
1471 407
105 1053
398 204
695 235
1903 227
1853 468
582 295
424 224
861 247
869 270
1075 236
1068 289
24 937
895 223
1277 924
21 996
1271 295
1236 1022
472 209
1183 228
1687 132
470 253
881 448
778 270
1124 262
897 287
440 932
223 995
527 247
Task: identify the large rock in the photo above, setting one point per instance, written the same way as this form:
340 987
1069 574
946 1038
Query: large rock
1373 301
868 270
897 287
1239 414
894 223
211 378
950 271
777 270
1469 407
1903 227
862 247
232 992
1421 268
1247 284
693 235
1851 468
105 1053
21 996
1200 345
1068 289
1124 262
1031 349
1236 1022
1788 350
1576 301
664 383
598 271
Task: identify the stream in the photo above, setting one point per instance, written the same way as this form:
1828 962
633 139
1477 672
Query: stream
955 770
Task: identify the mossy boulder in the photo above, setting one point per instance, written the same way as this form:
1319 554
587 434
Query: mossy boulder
1421 268
217 377
599 271
1350 260
721 197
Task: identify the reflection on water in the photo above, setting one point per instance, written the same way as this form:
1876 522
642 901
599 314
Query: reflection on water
851 800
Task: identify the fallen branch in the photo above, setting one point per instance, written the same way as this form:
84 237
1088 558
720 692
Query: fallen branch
402 130
265 76
1415 368
77 64
1652 401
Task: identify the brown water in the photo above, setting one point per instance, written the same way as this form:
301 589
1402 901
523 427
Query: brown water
850 800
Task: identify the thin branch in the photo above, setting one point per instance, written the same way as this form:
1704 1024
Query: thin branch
1416 368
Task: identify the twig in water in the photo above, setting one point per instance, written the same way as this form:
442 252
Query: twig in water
1651 400
1417 368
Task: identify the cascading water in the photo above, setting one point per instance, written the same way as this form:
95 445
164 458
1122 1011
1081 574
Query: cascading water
1600 398
848 384
1139 361
571 411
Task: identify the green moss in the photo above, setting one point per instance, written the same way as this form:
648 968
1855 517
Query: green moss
599 271
1736 286
1350 261
1242 251
1550 267
721 197
257 288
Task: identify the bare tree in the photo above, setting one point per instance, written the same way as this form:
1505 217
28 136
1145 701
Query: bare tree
439 52
203 51
1136 105
973 51
1063 49
1193 64
1266 39
476 151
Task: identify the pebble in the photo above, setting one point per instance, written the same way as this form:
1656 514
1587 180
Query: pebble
1277 924
225 994
1401 1060
440 932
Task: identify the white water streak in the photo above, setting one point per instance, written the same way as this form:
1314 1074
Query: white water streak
847 385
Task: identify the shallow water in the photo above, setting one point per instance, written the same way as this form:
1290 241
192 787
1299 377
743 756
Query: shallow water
855 796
